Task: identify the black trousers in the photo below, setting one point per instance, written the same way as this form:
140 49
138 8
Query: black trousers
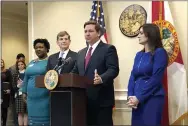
99 116
4 112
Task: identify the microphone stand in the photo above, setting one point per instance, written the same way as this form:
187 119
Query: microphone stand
61 66
64 62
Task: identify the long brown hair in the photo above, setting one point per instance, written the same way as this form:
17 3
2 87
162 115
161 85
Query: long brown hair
3 64
18 62
152 31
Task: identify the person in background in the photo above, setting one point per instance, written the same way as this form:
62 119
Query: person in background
6 90
145 88
18 78
19 57
37 98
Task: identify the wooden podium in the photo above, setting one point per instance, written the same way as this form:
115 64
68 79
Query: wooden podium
67 100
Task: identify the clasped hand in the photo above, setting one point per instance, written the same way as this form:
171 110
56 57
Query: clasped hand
19 83
132 102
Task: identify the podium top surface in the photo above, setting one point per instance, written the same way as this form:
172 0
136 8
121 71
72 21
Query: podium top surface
67 80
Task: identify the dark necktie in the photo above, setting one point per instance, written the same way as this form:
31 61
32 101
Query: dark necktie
87 58
61 55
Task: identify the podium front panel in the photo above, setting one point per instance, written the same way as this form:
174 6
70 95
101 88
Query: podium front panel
61 108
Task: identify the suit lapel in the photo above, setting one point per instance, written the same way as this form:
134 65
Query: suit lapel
57 56
82 57
55 59
68 54
94 55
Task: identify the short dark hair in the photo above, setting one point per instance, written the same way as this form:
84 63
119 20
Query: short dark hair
63 33
44 41
20 55
93 22
18 62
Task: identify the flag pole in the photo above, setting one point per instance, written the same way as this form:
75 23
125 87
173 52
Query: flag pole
98 11
161 17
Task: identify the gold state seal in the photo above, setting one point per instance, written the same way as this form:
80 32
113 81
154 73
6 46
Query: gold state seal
51 79
131 19
169 39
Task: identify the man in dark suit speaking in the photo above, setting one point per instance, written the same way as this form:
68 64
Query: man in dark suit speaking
63 41
99 62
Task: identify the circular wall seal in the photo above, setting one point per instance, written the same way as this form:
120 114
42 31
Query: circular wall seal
169 39
51 79
131 19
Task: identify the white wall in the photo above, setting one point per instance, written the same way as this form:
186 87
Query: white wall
46 19
49 18
14 37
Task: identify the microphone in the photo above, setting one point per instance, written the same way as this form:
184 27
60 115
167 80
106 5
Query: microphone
59 62
67 61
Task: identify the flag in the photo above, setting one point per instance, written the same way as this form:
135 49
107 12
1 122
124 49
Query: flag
98 15
175 108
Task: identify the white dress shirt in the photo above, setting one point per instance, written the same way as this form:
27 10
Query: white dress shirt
93 47
64 53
